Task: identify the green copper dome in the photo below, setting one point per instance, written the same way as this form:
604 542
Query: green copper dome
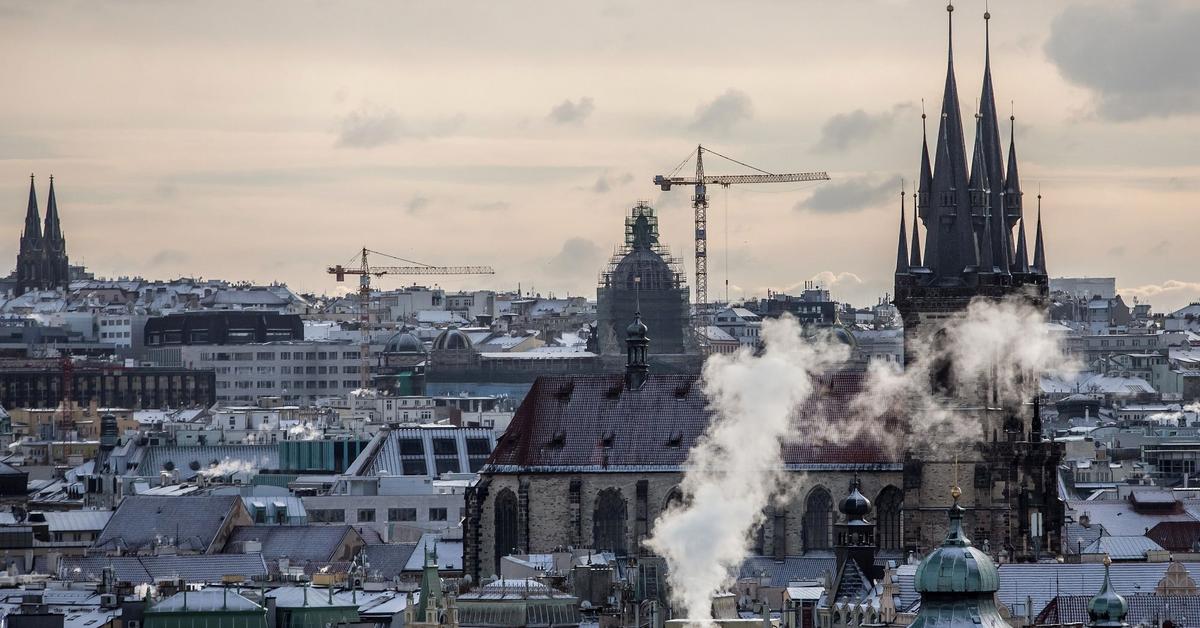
1107 609
957 582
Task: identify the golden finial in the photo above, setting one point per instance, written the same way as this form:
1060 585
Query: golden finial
1107 560
956 492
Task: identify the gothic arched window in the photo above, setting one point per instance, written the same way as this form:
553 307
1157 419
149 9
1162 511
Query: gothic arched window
887 518
818 520
506 525
608 522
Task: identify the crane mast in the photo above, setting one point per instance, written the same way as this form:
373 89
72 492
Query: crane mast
700 205
364 271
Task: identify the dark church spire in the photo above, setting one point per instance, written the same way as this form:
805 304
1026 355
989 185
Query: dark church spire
636 343
902 245
1000 231
915 259
925 181
981 191
949 250
1039 246
1013 210
53 232
33 220
1022 259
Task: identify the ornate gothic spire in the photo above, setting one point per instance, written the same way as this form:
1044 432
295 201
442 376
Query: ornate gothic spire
53 232
1039 246
33 221
1013 211
981 192
902 245
1000 237
915 259
1022 259
948 194
925 180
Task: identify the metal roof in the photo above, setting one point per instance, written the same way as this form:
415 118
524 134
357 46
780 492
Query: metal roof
303 543
142 522
78 520
1123 547
210 600
188 461
209 568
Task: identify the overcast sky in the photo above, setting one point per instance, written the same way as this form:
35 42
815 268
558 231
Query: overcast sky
266 141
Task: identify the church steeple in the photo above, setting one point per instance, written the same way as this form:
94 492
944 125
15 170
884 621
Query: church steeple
1000 231
925 182
1039 247
33 220
902 246
53 232
1022 258
636 343
915 259
1013 206
950 241
981 211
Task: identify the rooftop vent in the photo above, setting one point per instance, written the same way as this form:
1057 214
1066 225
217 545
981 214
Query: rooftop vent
608 438
675 440
558 440
614 391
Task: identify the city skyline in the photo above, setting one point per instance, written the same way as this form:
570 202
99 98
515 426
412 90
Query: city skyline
334 127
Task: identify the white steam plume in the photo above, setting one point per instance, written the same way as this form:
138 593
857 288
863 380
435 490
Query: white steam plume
228 466
997 349
736 467
1192 409
303 431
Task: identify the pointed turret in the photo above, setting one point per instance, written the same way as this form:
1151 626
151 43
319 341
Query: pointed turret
1022 255
1039 246
53 232
637 341
915 259
949 251
981 202
33 220
1013 206
902 246
989 135
925 181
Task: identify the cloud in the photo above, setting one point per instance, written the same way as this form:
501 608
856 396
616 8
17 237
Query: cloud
579 258
371 126
606 182
846 130
415 204
723 113
1174 288
831 281
571 112
850 195
1134 55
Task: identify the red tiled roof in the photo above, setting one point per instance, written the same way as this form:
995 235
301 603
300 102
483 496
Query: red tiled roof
596 422
1176 536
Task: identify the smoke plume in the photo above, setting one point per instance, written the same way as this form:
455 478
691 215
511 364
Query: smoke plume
990 356
226 467
736 467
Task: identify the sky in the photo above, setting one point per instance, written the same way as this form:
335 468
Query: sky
266 141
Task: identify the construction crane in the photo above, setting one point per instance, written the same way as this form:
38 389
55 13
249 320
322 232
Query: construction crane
700 204
365 271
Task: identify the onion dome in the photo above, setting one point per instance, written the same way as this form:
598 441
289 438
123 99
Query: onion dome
636 329
404 342
856 506
452 339
957 566
1107 609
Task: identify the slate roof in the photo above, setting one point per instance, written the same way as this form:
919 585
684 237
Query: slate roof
1145 609
389 559
1019 581
596 423
144 569
297 543
141 521
811 566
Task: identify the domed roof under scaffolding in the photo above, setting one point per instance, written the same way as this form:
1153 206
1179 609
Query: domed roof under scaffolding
643 275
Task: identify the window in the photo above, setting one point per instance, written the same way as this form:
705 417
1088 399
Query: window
402 514
437 514
888 507
366 515
321 515
608 522
818 520
506 525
